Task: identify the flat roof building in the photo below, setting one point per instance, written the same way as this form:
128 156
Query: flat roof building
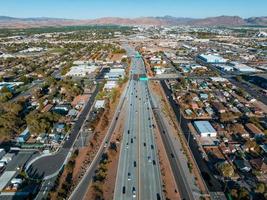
211 59
205 129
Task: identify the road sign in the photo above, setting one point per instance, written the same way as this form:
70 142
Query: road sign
143 79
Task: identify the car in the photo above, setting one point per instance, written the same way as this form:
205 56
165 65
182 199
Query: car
158 196
129 176
149 159
154 162
134 163
128 131
131 140
123 190
127 145
144 144
106 144
134 192
152 146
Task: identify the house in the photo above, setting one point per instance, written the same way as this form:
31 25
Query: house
204 96
219 107
58 127
47 108
260 164
110 85
194 106
254 130
99 104
62 109
242 165
72 113
24 136
79 101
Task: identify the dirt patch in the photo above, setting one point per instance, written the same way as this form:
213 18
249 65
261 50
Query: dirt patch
106 188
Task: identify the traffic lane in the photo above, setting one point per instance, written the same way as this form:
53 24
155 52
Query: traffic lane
129 151
121 177
177 170
150 181
153 151
144 188
212 183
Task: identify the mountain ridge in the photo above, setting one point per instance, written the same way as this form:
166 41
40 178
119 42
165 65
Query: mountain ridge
13 22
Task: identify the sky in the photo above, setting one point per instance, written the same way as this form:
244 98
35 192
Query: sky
90 9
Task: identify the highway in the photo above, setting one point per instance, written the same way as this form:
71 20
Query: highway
138 174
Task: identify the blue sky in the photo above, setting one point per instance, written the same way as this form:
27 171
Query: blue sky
88 9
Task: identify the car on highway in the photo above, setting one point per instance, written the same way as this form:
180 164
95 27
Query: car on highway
154 162
123 190
127 145
134 163
149 159
152 146
134 192
129 176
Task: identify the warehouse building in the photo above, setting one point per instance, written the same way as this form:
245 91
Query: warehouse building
205 129
211 59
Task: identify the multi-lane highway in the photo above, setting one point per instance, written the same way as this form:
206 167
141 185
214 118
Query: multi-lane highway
138 174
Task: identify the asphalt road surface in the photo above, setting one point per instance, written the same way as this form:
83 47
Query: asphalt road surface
138 174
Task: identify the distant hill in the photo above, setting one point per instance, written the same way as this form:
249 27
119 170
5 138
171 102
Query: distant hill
11 22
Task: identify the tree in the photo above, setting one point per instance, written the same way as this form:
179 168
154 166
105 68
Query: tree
41 122
261 187
226 169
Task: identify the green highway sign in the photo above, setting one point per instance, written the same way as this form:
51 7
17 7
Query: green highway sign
143 79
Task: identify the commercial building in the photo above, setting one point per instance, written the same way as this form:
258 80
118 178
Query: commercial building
243 68
211 59
115 74
82 70
205 129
